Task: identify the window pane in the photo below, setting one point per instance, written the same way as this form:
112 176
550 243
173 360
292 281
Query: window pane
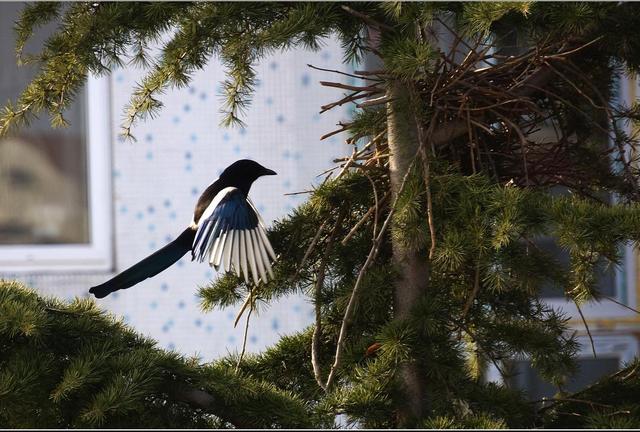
605 275
43 171
590 370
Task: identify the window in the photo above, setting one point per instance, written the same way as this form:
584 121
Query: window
607 277
54 183
611 282
614 352
589 371
618 282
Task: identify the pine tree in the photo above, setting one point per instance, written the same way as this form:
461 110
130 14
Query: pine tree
419 250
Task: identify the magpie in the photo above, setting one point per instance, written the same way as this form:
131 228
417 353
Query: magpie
226 230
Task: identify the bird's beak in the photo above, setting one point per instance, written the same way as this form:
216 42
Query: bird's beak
267 171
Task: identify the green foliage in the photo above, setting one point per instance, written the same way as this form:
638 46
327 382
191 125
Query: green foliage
70 365
406 14
96 37
407 58
505 318
33 16
470 422
117 374
612 402
478 17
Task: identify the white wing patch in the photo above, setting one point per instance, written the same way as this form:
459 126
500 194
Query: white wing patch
232 235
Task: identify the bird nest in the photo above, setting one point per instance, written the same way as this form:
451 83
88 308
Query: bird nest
541 117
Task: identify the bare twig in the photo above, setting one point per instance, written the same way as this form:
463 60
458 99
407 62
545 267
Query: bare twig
461 40
356 75
310 248
561 55
246 332
422 150
586 326
481 126
369 88
300 192
317 331
621 304
376 204
568 399
618 375
246 303
326 179
363 219
476 288
350 162
343 128
373 102
427 181
356 288
330 171
576 88
355 154
523 140
370 73
349 98
367 19
471 145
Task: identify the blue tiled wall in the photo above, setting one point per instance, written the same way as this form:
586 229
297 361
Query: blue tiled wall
157 180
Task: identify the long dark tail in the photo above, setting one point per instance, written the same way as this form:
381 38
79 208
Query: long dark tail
148 267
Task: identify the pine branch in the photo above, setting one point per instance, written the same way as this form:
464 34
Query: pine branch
205 401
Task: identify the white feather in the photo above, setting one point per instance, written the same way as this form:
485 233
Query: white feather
220 247
228 247
246 252
212 252
243 257
217 243
235 260
257 251
211 241
263 254
251 256
267 243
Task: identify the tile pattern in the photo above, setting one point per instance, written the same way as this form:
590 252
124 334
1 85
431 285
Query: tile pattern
157 180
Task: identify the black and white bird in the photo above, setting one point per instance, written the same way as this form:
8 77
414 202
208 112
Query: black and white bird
226 230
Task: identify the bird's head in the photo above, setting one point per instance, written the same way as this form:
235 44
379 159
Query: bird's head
243 173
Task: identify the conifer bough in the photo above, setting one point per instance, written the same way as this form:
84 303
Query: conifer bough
429 241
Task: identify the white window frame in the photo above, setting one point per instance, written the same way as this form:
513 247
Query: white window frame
97 255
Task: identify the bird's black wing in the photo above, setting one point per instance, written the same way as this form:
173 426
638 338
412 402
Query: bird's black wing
230 232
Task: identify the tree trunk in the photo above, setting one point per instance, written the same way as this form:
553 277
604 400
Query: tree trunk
412 267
